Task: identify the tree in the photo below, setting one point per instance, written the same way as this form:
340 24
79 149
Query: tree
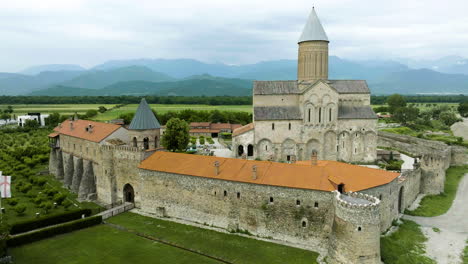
102 109
53 120
463 109
448 118
5 116
91 113
406 115
31 124
176 135
395 101
9 110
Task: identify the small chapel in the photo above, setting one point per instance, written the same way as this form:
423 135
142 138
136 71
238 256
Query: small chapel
295 119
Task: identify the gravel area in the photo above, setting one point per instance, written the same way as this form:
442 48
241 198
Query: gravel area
446 243
460 129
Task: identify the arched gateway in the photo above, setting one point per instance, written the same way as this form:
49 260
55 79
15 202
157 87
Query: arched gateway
128 193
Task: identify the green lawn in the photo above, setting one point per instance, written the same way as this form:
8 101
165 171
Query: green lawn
102 244
434 205
163 108
233 248
63 109
405 246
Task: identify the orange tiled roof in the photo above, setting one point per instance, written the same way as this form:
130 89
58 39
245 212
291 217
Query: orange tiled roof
99 130
52 135
220 126
200 124
324 177
243 129
203 130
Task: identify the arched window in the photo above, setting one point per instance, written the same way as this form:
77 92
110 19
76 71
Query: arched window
308 115
330 114
289 126
135 142
156 142
250 150
304 224
146 143
272 126
320 114
240 150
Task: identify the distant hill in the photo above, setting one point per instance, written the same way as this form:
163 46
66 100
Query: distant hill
97 79
20 84
188 87
34 70
191 77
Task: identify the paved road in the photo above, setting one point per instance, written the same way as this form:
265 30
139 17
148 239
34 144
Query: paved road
447 245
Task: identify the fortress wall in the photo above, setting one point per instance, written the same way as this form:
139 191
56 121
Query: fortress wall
435 158
388 196
202 200
355 236
411 185
126 161
459 155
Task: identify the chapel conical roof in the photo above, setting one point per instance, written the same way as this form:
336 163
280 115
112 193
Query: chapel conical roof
313 29
144 118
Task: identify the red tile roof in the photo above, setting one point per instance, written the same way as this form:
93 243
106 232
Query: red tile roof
243 129
325 176
99 131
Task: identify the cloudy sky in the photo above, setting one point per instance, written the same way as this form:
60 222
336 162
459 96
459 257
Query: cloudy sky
89 32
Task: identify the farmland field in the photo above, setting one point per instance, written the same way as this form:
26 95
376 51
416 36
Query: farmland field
163 108
63 109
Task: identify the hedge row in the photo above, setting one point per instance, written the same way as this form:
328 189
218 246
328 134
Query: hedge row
48 220
54 230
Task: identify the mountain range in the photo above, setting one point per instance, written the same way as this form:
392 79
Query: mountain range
189 77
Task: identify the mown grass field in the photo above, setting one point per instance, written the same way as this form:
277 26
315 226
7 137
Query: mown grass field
105 244
435 205
406 245
102 244
426 106
63 109
163 108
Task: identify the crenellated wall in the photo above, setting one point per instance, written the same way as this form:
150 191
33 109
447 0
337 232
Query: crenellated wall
355 236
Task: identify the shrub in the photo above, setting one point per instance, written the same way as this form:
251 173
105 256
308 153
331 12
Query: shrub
25 188
59 198
39 181
66 204
50 192
54 230
20 209
202 140
46 206
48 220
12 201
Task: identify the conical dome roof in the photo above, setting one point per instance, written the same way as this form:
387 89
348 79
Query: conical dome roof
144 118
313 29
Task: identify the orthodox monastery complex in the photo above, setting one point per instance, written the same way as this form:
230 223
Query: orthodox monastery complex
293 119
315 201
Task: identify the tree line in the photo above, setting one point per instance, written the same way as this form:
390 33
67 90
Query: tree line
206 100
382 99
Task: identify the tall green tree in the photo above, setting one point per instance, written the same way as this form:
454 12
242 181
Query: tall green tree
176 136
406 115
394 102
463 109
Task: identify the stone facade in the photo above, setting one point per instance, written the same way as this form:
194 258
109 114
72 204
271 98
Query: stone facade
313 114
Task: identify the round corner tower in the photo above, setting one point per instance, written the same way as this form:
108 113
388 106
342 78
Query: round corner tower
144 130
313 51
355 236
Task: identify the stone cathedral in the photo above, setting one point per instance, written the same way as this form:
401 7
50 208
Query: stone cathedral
311 115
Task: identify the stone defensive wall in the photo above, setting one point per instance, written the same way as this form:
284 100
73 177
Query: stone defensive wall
435 158
355 236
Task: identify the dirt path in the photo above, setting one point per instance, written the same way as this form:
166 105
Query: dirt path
446 245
